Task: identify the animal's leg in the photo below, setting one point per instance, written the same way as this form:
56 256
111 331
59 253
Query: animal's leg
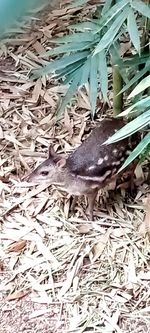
91 201
73 203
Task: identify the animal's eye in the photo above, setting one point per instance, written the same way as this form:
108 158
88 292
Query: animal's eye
44 173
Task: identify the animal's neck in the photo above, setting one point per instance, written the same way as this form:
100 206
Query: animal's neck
64 178
71 184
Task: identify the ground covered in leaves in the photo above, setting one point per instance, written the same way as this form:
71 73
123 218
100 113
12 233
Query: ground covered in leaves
60 272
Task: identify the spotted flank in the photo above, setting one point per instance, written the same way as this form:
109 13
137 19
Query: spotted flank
91 167
100 161
106 158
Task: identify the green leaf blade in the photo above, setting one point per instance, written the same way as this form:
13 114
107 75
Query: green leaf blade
109 36
85 72
136 107
71 47
103 74
137 151
141 7
93 83
79 36
111 13
70 93
130 128
144 84
133 31
60 63
135 78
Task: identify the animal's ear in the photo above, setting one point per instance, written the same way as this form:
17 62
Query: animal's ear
61 162
51 152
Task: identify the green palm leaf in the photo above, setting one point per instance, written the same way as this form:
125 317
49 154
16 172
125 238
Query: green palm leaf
137 151
130 128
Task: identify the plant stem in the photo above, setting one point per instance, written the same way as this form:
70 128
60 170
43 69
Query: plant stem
117 86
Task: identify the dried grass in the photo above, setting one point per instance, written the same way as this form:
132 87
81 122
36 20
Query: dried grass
78 275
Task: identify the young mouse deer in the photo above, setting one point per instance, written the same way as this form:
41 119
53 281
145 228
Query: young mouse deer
90 167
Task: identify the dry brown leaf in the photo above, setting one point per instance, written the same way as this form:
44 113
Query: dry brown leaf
99 247
4 179
36 91
145 226
1 133
85 228
48 98
131 273
1 266
68 123
70 276
111 322
17 295
139 172
17 246
144 275
125 47
39 47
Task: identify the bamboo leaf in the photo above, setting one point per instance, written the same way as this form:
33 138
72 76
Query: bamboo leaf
111 13
70 92
82 37
130 128
60 63
67 71
140 105
137 151
109 36
133 31
145 83
135 78
106 6
82 26
85 72
144 154
93 83
71 47
103 74
141 7
117 60
135 60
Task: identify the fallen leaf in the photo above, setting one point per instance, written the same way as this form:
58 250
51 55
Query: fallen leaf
145 226
17 295
17 246
1 266
84 229
99 247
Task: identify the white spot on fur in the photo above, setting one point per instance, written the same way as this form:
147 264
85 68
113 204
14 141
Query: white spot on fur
100 161
122 148
106 158
115 151
116 163
122 159
91 167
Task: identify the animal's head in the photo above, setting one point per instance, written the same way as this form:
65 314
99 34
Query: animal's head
50 171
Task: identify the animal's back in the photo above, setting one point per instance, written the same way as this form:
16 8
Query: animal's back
93 158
